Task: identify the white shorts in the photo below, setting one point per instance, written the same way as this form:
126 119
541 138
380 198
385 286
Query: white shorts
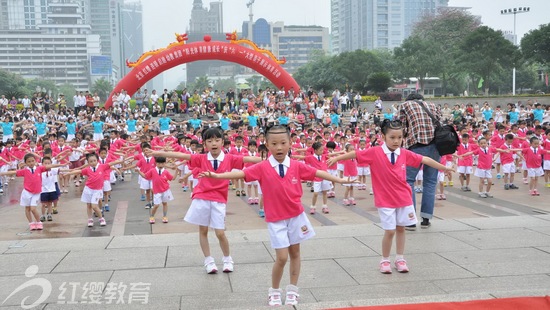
107 186
5 168
497 160
259 190
333 172
70 137
7 137
206 213
393 217
441 176
483 173
546 165
91 195
165 132
112 177
340 167
351 178
535 172
449 164
98 136
29 199
144 184
289 232
163 197
322 186
420 175
464 169
253 183
363 170
509 168
524 165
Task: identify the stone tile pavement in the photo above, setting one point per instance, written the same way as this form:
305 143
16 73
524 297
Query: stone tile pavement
454 260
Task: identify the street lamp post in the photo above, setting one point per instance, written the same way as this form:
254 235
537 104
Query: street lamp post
514 11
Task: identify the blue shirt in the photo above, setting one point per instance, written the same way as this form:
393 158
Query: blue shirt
538 114
388 116
131 123
71 128
41 128
253 120
513 117
7 128
98 127
487 114
164 123
334 119
224 123
283 120
195 123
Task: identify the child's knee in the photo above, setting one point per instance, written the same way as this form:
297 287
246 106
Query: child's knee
220 233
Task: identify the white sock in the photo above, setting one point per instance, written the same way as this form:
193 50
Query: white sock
398 257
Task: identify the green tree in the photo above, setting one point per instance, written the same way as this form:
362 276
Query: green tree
535 45
68 90
319 74
379 81
485 51
416 59
102 87
445 31
526 77
356 67
43 86
11 84
201 83
388 61
254 82
225 84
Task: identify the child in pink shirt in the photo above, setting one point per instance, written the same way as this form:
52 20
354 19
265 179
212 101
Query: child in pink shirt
486 156
160 178
32 188
209 198
287 222
350 173
393 197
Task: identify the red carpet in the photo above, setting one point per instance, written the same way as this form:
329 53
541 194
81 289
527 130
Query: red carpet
537 303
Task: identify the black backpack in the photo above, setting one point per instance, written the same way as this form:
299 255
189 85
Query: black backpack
445 136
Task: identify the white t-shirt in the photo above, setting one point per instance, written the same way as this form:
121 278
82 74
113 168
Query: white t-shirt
48 180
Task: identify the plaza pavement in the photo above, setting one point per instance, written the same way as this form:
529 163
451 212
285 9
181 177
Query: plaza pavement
454 260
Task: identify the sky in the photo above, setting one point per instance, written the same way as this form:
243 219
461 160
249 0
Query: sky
162 18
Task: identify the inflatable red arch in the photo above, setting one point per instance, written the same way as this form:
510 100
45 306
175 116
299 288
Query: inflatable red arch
155 62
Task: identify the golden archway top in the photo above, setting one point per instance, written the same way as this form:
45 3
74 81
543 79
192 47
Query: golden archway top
180 38
234 39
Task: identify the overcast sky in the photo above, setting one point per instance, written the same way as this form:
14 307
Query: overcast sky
162 18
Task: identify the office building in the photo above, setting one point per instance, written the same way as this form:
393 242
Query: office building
132 30
372 24
56 44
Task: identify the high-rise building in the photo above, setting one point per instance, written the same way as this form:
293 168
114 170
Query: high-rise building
106 21
372 24
297 43
56 46
206 22
132 29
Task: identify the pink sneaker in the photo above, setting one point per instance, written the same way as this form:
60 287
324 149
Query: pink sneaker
250 200
90 223
38 226
385 267
312 210
536 192
401 266
346 202
32 226
352 201
443 197
325 210
532 193
438 197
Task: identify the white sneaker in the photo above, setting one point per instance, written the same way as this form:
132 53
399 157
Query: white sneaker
90 223
274 297
291 295
210 265
102 222
227 264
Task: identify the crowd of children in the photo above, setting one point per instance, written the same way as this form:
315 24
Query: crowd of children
56 154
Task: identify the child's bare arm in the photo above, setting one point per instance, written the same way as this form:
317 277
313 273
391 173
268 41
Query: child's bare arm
233 175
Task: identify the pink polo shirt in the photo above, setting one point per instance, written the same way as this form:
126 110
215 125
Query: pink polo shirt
32 182
313 161
160 181
389 182
96 178
283 200
213 189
